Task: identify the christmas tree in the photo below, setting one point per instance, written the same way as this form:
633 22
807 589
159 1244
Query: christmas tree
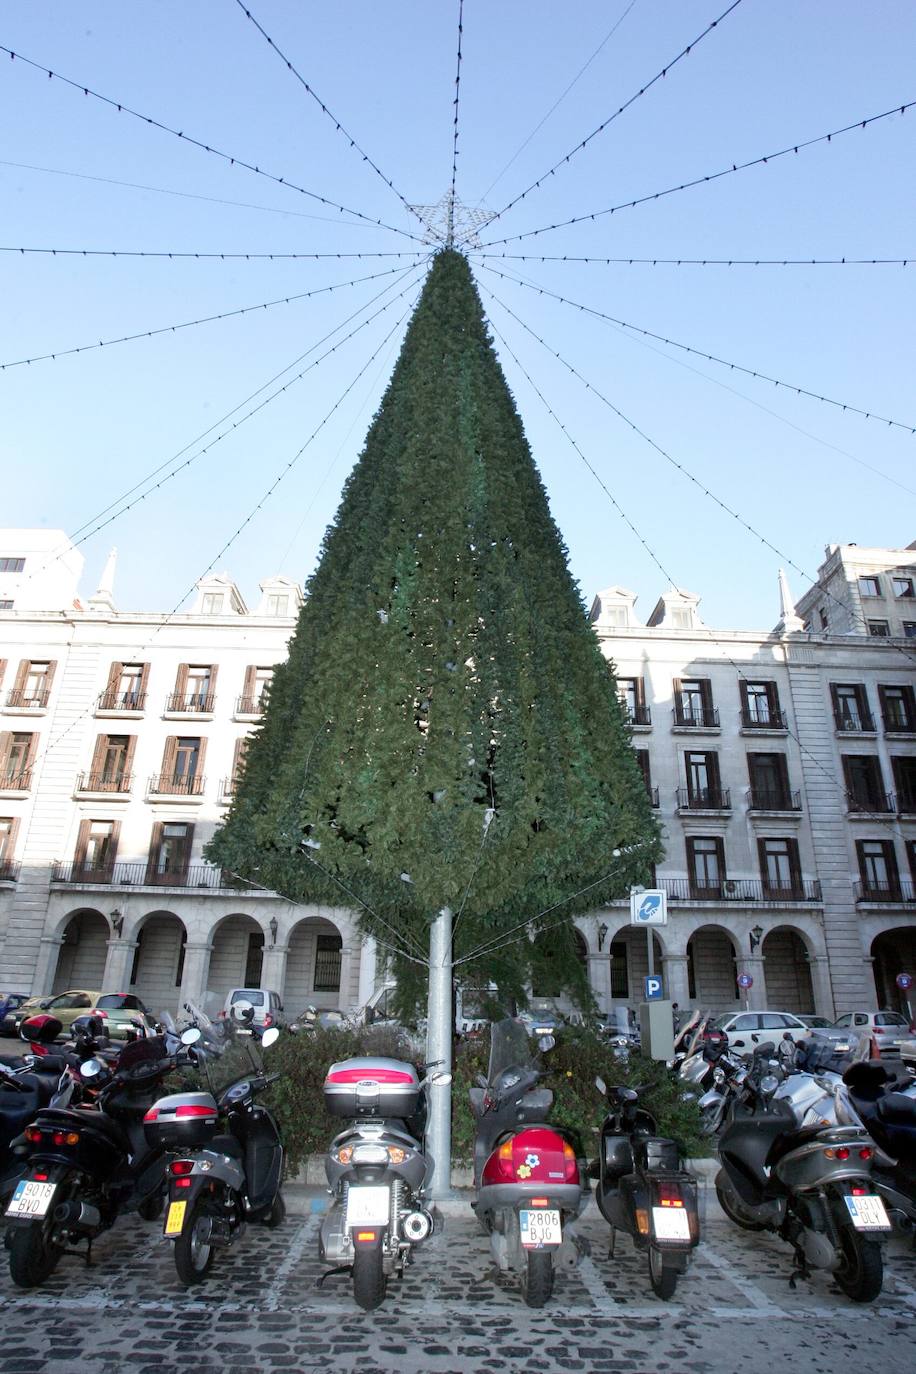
445 732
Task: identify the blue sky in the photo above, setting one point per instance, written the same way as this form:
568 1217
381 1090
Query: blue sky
80 430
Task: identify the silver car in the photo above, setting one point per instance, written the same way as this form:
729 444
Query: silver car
888 1029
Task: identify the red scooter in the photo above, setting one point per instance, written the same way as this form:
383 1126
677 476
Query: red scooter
531 1183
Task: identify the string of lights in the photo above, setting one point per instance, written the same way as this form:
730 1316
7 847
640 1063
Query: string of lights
140 648
616 115
310 90
236 424
206 319
204 147
224 257
185 195
560 98
697 262
723 505
765 159
708 357
451 220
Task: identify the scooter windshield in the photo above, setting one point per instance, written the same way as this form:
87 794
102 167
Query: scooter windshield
510 1048
227 1061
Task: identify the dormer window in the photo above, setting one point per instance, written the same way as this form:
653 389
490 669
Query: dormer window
278 603
681 619
212 603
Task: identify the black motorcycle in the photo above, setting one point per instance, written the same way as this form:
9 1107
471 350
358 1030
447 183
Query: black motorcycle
644 1191
86 1166
889 1116
27 1083
226 1158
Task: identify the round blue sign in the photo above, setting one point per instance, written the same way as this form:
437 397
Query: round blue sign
904 981
745 980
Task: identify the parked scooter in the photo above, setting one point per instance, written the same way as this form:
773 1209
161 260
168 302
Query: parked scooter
32 1082
643 1189
811 1186
530 1179
218 1182
85 1167
378 1171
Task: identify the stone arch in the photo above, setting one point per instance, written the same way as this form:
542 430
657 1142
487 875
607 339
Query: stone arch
314 966
787 970
237 943
628 953
157 962
893 951
712 967
82 954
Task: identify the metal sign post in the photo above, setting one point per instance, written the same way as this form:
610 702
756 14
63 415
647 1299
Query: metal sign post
745 983
649 907
904 982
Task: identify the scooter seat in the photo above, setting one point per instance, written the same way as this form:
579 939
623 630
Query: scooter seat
896 1109
226 1145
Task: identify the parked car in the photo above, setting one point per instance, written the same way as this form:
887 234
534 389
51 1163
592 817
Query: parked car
116 1009
268 1009
746 1029
815 1022
908 1054
324 1018
10 1002
888 1029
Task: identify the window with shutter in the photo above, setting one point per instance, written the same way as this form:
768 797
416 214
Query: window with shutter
9 826
17 754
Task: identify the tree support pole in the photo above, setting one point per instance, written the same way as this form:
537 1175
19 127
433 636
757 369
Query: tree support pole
439 1053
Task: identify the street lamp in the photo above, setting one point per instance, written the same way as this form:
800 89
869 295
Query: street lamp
602 935
117 921
755 936
273 926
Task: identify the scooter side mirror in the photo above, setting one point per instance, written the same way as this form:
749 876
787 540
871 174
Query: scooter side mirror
545 1043
91 1068
601 1086
481 1081
270 1037
738 1045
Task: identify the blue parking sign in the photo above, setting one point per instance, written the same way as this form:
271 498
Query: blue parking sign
654 990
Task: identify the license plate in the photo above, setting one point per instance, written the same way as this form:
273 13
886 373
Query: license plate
671 1223
868 1213
368 1206
31 1199
174 1219
540 1226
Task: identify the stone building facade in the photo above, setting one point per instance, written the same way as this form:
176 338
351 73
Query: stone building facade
781 765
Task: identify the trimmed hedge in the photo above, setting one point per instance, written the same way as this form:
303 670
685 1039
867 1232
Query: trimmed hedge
571 1068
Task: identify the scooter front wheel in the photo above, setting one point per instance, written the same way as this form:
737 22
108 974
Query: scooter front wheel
731 1207
193 1255
662 1278
369 1283
537 1277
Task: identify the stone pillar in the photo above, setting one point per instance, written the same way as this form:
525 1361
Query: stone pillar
821 986
676 985
346 973
46 965
753 964
118 963
194 973
599 977
367 970
273 969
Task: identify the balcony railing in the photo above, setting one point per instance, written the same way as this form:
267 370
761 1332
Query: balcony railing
860 724
227 788
904 803
701 718
102 782
121 701
146 875
249 706
191 703
653 796
774 719
877 804
16 780
899 725
168 785
741 890
888 891
638 715
704 799
769 799
26 699
9 872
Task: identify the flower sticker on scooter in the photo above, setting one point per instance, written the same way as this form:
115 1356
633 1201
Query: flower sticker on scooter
532 1161
524 1171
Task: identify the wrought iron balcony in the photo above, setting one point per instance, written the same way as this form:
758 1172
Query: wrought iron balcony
904 803
742 890
772 799
144 874
872 804
168 785
773 719
701 718
26 699
704 799
103 782
899 725
227 788
9 872
638 715
653 796
891 891
859 724
249 706
16 780
191 703
121 701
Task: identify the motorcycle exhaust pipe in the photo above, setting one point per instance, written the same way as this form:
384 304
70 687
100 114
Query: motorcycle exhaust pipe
81 1215
214 1231
416 1226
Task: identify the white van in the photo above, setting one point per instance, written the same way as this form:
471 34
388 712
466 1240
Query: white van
268 1009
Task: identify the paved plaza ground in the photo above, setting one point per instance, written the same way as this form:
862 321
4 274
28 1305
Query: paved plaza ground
261 1310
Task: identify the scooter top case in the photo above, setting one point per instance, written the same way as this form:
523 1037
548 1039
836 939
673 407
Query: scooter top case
535 1160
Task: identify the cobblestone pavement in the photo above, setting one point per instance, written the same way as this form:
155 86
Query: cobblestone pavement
260 1310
